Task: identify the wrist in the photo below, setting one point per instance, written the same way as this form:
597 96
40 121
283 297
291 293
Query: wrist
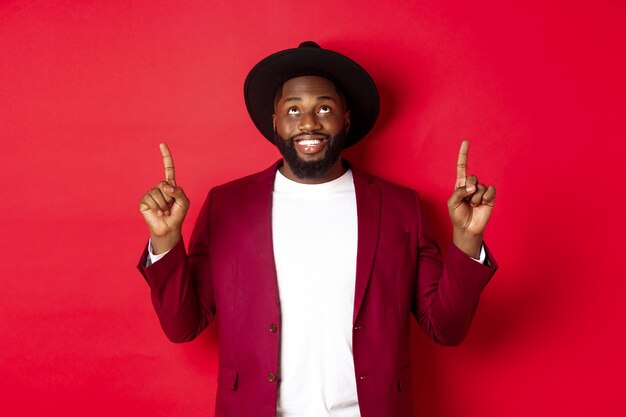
161 244
468 243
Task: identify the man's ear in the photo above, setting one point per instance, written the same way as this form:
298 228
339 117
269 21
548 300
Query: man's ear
346 121
274 122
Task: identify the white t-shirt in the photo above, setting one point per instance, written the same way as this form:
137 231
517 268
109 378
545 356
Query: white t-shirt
314 229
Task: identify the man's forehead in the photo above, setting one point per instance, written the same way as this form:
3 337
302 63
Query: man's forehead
308 84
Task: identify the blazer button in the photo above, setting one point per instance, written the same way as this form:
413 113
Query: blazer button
273 328
271 377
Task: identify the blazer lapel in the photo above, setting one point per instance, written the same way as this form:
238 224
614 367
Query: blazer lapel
368 213
259 197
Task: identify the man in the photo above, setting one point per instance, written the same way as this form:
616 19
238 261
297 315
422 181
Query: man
313 266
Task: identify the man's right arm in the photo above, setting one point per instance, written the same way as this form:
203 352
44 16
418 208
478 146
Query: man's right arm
179 283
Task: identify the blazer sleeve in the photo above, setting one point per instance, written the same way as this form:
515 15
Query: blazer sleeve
180 283
447 292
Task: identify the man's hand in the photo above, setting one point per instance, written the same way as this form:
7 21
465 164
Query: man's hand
164 208
470 207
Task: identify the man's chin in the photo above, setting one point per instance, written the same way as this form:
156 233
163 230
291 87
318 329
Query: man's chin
307 165
313 167
311 157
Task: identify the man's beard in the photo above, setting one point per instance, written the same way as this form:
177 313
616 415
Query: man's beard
311 169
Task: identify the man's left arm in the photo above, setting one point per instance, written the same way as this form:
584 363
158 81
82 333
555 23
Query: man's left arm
448 293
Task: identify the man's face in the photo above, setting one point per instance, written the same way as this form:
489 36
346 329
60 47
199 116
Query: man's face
311 121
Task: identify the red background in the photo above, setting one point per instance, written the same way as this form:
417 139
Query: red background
89 88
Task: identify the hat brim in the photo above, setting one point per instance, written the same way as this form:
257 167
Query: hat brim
266 76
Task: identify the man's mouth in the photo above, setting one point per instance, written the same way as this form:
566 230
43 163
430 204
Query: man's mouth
309 142
310 145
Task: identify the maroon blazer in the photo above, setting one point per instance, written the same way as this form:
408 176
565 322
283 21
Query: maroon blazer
229 271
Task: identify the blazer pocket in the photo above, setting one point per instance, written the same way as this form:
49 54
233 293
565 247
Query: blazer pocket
227 378
404 378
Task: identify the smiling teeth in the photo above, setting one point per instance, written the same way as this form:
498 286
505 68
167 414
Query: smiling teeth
310 142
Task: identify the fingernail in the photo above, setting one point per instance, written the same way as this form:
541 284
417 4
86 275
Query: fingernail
470 188
169 188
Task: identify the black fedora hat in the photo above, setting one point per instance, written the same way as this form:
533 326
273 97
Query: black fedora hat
310 59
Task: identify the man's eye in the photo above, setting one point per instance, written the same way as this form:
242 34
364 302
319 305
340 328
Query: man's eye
324 109
292 110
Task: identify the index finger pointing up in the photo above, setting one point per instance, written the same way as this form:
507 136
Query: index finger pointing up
461 165
168 163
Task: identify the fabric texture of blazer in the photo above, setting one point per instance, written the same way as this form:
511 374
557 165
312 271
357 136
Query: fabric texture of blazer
229 272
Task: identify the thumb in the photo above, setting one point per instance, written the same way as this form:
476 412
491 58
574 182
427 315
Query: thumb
460 194
176 192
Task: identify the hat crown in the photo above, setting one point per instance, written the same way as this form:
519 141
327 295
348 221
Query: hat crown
309 44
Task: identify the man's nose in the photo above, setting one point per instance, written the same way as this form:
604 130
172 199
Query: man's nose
309 122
